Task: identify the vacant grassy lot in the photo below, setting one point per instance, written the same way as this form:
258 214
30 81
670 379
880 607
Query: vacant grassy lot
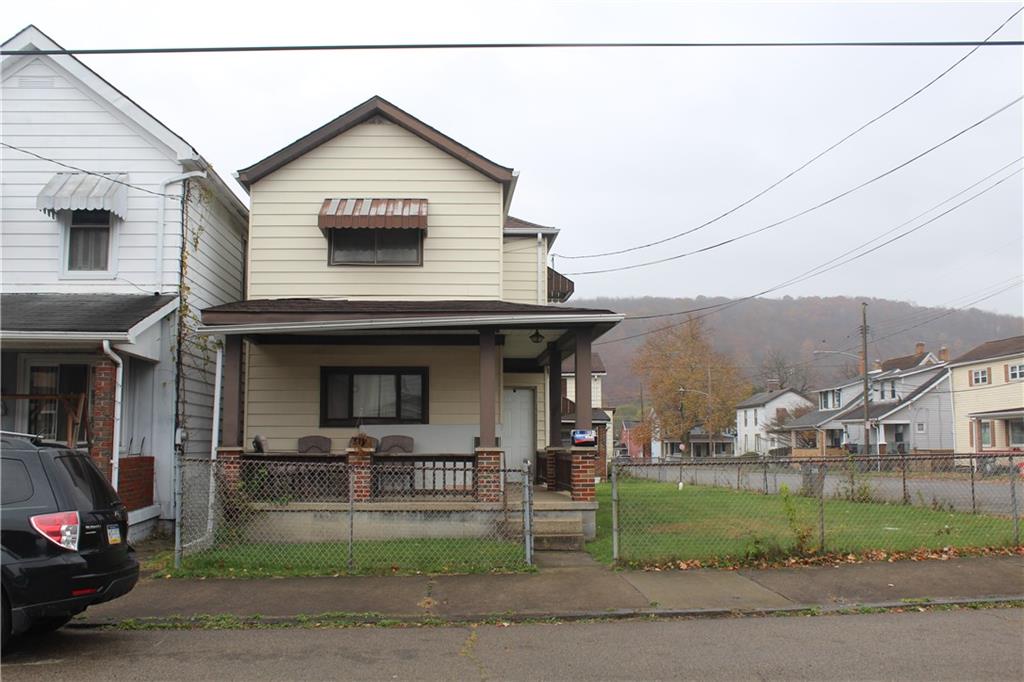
659 522
444 555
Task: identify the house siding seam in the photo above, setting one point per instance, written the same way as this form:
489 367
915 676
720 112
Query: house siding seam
462 250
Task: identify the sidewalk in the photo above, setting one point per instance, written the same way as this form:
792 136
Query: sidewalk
571 585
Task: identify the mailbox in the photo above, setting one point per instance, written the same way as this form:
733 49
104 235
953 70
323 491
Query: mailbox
583 438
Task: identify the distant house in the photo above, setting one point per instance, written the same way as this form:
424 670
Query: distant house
700 444
909 410
757 413
987 384
116 231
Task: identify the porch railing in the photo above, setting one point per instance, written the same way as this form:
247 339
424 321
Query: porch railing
563 471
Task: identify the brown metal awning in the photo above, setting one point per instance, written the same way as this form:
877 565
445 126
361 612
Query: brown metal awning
408 214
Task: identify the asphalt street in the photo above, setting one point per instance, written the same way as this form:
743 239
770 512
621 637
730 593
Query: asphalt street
991 494
963 644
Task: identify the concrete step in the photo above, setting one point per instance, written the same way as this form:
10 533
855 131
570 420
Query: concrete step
558 543
561 526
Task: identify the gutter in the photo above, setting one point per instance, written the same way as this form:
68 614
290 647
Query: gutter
115 465
161 222
411 323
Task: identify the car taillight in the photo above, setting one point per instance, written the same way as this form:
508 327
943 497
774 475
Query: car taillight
61 528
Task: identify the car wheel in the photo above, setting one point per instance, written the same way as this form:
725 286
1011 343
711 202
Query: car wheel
45 625
5 627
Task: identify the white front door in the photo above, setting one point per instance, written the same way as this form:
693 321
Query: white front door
518 433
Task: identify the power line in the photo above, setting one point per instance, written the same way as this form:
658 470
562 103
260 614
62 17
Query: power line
805 211
806 163
105 176
824 267
358 47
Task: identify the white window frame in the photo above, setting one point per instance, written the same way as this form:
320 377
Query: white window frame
1016 369
921 427
26 361
64 220
986 426
837 395
980 377
1010 429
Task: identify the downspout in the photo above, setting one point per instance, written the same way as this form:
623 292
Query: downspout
115 463
541 298
161 222
952 408
214 437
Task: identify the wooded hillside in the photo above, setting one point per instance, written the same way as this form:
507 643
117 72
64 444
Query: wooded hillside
752 332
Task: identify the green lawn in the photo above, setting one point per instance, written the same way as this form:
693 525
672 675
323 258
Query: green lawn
442 555
659 523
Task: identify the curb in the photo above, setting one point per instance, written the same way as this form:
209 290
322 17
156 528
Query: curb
371 619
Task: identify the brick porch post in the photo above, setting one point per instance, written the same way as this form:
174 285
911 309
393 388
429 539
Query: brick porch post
229 463
101 416
360 462
583 471
550 472
488 474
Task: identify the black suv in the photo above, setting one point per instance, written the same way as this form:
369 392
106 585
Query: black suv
64 536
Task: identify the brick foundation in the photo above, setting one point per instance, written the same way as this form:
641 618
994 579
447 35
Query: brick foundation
230 459
101 415
488 474
550 475
583 472
135 482
361 461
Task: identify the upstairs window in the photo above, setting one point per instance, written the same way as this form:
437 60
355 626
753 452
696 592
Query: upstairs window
979 376
376 247
1015 372
836 398
89 241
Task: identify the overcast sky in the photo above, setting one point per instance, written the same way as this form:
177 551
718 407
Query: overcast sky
619 147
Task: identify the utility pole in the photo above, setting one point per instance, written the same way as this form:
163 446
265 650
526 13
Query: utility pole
867 391
707 417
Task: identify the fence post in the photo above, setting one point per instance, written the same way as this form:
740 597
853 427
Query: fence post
1013 503
351 515
615 512
765 461
177 509
903 466
974 503
823 473
527 513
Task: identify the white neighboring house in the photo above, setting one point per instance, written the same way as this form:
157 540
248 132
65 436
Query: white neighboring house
755 414
115 233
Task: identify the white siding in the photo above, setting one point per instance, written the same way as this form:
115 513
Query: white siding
49 112
462 252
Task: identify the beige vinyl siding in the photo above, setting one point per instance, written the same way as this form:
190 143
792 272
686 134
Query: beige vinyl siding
283 389
538 384
596 385
998 394
462 252
519 275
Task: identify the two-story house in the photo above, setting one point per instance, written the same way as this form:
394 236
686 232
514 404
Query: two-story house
389 293
987 385
115 232
756 414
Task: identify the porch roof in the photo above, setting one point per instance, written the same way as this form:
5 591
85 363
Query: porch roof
116 317
1005 413
315 316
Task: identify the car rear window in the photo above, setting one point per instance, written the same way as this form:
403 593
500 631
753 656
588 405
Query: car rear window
87 487
16 484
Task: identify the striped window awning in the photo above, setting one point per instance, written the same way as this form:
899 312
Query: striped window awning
85 192
404 214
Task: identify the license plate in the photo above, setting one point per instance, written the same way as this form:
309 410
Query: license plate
114 534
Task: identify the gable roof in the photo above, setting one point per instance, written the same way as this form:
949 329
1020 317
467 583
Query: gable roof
906 361
31 39
375 106
764 397
990 350
596 365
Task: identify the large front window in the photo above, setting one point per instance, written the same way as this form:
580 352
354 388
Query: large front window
1017 433
376 247
352 396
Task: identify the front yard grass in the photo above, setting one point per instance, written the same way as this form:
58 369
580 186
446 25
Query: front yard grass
371 557
660 523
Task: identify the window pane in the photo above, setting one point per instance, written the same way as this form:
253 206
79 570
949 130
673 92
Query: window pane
986 433
412 396
398 246
42 414
87 485
351 246
91 218
1017 432
17 483
337 396
374 396
88 247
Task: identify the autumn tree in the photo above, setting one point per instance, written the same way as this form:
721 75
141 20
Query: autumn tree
777 366
683 358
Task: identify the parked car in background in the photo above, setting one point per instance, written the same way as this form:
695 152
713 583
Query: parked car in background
64 535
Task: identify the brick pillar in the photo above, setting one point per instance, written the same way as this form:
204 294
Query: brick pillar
583 474
230 466
550 475
360 462
601 463
101 416
488 474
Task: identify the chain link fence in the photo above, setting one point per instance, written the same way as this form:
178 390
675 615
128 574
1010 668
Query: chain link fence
743 510
263 517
